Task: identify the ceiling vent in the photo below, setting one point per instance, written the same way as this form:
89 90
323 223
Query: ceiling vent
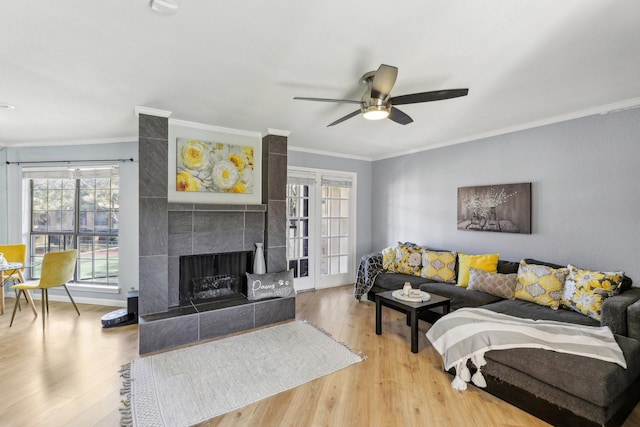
164 7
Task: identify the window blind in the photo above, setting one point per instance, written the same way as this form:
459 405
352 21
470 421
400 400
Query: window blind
301 178
336 181
70 172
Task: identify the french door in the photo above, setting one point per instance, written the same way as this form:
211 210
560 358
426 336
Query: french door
321 229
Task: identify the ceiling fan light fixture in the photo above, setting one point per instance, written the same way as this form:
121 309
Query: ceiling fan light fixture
375 112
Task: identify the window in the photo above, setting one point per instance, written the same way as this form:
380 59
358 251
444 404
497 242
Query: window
76 208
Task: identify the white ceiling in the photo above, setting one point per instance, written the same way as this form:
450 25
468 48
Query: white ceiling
75 70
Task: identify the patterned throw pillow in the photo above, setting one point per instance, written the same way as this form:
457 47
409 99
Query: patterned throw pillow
540 284
500 285
487 262
389 258
439 266
586 290
409 258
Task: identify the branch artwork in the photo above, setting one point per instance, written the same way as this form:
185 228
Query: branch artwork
501 208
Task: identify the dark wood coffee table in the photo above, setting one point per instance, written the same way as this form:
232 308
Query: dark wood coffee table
412 309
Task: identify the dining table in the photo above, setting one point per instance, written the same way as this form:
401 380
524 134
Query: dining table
7 270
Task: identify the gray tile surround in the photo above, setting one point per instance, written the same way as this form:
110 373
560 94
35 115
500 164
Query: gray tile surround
153 225
153 284
276 223
167 333
277 258
217 323
153 178
168 230
274 176
153 127
163 333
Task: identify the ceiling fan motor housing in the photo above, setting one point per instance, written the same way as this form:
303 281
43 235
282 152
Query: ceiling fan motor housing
373 108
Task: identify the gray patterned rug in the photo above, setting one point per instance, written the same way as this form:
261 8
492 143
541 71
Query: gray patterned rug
193 384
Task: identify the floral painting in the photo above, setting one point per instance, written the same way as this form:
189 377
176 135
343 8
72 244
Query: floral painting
503 208
214 167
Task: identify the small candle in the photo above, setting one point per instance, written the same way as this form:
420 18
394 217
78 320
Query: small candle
407 288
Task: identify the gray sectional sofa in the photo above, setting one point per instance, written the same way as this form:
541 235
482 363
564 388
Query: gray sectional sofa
562 389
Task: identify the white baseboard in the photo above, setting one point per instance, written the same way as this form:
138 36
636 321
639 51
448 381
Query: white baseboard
79 300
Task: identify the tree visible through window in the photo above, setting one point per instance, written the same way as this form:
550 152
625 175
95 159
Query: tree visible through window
78 211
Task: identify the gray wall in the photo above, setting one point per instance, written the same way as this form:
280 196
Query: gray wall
363 169
585 193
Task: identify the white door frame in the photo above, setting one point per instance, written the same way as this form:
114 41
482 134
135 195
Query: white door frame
316 280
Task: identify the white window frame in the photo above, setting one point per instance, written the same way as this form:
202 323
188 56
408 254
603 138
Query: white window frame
77 171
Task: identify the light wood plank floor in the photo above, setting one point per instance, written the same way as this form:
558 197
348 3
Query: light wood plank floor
68 375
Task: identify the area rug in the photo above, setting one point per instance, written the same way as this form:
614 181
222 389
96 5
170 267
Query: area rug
193 384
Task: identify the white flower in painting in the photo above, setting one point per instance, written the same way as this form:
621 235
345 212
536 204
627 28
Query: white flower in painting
247 177
194 154
219 152
225 175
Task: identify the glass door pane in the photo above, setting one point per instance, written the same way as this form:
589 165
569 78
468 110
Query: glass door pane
335 230
299 234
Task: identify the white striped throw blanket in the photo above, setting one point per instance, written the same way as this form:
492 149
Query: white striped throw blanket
468 333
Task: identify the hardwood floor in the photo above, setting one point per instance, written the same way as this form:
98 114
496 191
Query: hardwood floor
68 375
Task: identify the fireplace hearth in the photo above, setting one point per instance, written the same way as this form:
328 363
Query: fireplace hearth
211 277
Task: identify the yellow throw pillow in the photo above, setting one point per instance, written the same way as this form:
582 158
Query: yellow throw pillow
439 266
409 259
586 290
540 284
486 262
389 258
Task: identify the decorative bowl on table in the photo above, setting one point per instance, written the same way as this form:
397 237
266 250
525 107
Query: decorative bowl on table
415 295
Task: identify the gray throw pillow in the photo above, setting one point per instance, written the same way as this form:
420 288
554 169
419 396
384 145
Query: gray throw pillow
500 285
270 285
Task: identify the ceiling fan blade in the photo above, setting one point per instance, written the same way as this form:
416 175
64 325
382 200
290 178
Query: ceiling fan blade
383 81
341 101
435 95
347 117
399 117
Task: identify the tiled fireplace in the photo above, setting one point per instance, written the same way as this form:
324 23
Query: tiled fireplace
169 231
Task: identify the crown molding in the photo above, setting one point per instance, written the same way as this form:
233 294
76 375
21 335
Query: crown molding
328 153
277 132
202 126
151 111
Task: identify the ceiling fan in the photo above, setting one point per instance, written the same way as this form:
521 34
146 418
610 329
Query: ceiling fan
377 102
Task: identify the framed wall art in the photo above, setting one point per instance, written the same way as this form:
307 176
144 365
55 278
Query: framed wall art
209 164
502 208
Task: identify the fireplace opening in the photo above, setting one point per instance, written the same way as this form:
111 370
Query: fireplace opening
212 277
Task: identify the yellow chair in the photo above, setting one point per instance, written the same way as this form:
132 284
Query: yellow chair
14 253
57 270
